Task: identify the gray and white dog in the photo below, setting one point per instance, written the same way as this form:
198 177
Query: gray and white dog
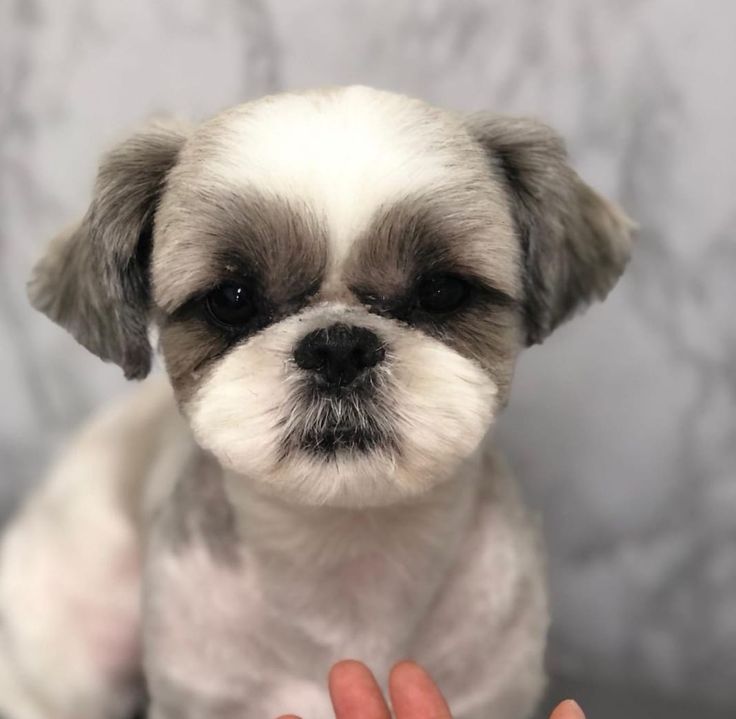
340 282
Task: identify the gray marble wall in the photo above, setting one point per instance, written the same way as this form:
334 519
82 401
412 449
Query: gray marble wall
623 426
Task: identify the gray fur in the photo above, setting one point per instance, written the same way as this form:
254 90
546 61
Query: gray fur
93 280
200 512
210 232
575 243
217 235
426 235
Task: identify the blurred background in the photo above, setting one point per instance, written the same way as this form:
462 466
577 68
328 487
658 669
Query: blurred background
622 427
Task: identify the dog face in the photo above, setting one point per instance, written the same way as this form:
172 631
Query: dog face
341 280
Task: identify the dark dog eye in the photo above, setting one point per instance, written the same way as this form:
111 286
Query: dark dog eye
442 293
231 305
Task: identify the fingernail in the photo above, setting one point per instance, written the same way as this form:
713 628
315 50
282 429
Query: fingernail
575 712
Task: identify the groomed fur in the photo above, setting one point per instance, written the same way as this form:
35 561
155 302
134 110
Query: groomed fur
287 517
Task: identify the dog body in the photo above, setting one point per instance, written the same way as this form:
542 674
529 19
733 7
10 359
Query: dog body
248 626
341 282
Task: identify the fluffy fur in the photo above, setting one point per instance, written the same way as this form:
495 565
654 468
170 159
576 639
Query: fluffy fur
221 538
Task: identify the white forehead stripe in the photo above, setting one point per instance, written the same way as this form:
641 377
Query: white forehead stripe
346 152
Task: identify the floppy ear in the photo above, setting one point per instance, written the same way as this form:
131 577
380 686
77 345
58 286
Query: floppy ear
575 243
93 278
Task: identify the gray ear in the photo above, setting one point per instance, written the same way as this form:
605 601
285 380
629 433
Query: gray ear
575 243
93 278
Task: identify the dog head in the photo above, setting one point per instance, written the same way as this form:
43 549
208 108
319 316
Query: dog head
341 280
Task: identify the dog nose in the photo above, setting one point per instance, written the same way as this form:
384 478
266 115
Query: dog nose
339 353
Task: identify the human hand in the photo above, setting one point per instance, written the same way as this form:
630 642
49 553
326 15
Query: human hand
355 694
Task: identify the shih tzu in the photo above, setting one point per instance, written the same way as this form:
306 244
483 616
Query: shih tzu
340 282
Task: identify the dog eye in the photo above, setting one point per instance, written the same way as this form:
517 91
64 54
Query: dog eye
442 293
231 305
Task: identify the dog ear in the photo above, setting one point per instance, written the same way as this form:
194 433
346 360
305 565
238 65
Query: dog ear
575 243
93 278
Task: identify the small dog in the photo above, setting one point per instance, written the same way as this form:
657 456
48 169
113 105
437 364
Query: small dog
341 282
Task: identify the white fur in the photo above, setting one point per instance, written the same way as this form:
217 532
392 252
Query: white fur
70 573
453 581
343 153
340 156
444 404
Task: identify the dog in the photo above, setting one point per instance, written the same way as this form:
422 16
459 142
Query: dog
339 283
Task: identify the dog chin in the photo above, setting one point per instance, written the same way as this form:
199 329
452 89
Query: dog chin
345 467
333 472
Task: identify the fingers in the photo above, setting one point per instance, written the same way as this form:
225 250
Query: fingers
568 710
414 695
355 693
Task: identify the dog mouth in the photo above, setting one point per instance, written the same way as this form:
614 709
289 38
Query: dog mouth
327 426
341 438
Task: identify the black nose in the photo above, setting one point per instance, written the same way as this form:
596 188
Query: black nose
340 353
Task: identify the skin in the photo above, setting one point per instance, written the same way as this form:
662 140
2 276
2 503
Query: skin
355 694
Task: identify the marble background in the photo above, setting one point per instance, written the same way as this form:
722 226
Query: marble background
622 427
